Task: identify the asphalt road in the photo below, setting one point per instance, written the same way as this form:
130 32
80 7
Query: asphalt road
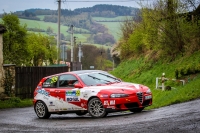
178 118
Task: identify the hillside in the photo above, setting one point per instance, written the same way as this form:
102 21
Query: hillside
145 72
99 24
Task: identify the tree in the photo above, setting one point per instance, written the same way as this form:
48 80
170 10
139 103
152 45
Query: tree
22 48
96 57
49 30
42 49
163 32
15 48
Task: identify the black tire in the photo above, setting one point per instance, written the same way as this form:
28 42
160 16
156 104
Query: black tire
81 113
41 110
96 109
137 110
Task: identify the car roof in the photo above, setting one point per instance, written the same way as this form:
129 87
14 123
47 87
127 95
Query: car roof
86 71
76 72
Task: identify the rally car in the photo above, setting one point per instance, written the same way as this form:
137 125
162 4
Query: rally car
88 91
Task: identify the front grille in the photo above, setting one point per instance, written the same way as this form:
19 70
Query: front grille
140 97
146 103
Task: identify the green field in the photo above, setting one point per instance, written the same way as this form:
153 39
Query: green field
114 28
112 24
41 17
119 18
44 25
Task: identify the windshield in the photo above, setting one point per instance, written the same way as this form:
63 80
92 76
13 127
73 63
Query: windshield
97 78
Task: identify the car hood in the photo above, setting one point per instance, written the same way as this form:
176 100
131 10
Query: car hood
122 87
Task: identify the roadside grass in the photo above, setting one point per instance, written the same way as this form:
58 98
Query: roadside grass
15 102
145 72
178 94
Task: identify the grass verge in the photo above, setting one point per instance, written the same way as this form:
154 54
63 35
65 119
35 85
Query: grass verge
15 102
145 72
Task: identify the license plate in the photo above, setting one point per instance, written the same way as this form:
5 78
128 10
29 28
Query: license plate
148 97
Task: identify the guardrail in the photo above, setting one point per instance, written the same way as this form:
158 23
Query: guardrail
163 79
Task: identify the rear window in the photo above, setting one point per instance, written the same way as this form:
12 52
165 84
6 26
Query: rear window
50 82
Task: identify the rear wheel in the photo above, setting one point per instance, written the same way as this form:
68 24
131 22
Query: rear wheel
137 110
96 109
41 110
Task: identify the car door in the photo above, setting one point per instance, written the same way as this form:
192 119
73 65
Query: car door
69 96
50 87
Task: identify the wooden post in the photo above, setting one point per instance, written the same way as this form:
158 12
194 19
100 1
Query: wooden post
163 81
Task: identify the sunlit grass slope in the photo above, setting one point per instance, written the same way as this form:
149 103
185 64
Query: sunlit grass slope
145 72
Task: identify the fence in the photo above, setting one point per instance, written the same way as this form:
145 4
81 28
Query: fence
27 78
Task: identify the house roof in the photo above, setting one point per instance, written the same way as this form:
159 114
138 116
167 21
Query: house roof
197 11
2 29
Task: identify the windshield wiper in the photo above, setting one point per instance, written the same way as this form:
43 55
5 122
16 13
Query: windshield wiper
98 78
118 80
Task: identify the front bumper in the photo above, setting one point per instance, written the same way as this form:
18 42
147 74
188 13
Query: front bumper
127 103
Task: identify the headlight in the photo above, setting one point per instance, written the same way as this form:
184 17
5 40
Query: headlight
118 95
148 91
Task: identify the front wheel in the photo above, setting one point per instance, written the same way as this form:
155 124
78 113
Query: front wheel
41 110
96 109
137 110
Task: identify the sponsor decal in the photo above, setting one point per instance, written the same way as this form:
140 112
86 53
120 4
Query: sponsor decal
43 92
112 107
77 108
39 87
54 79
73 99
85 96
112 102
73 93
106 103
83 105
46 84
64 108
51 104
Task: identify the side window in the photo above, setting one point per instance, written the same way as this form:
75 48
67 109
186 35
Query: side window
50 82
67 80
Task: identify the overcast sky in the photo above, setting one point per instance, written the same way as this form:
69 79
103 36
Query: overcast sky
18 5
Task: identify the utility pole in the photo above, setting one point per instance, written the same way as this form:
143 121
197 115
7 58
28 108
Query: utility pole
72 45
80 53
58 35
101 57
75 49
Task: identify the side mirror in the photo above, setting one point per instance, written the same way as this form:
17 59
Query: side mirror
78 85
